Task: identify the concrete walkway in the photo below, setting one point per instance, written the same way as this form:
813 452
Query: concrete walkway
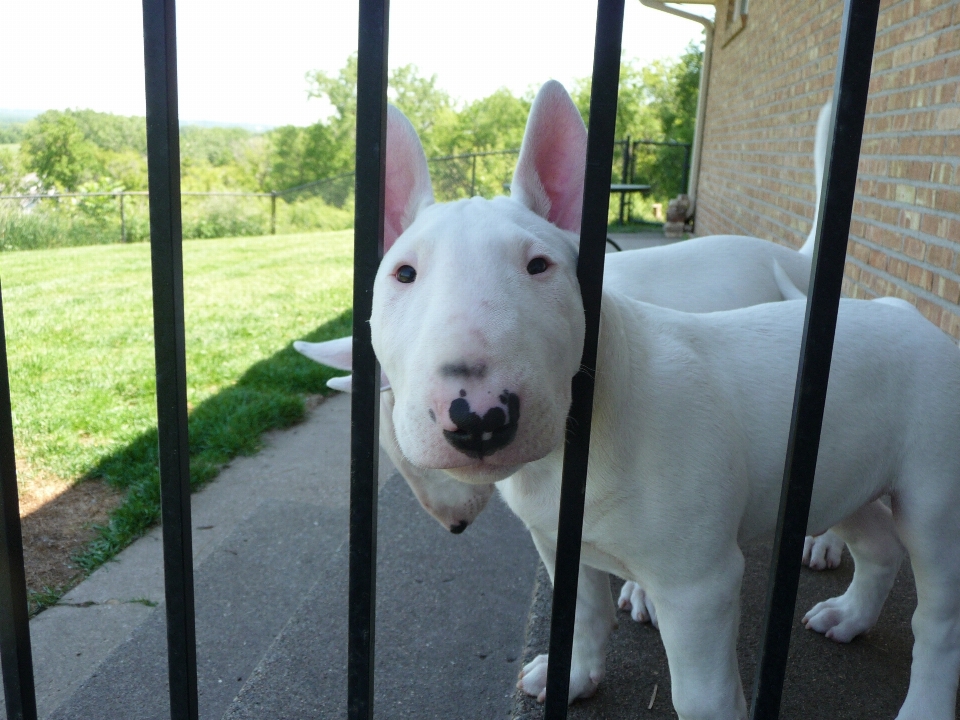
270 542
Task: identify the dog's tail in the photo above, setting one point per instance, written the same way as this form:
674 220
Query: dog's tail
819 161
785 284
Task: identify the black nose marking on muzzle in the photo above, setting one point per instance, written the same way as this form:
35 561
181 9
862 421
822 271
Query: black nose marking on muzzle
478 437
459 527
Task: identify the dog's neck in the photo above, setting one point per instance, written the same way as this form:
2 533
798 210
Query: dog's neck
533 492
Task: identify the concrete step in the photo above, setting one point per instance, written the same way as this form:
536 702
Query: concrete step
864 680
450 622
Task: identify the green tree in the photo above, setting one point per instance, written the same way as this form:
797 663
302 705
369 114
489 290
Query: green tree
55 148
114 133
657 102
428 107
341 92
495 122
11 171
302 155
673 89
10 133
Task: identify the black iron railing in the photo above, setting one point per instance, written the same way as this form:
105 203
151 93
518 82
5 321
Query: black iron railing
166 245
857 36
856 49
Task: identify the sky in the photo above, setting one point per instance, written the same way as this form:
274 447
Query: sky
245 61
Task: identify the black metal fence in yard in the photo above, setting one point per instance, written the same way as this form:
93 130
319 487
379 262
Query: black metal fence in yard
856 49
663 165
39 220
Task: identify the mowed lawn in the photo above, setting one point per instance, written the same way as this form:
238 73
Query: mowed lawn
79 329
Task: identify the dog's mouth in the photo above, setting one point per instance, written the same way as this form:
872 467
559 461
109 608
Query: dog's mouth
478 437
481 472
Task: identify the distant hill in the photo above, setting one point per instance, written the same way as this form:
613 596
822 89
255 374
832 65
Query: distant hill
9 117
17 116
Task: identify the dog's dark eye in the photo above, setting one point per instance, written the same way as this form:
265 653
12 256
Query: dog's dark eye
406 274
537 266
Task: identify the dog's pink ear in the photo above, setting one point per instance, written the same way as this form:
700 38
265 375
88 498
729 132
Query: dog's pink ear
336 354
407 179
553 156
333 353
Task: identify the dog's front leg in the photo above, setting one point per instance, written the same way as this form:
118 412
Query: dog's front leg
699 620
595 619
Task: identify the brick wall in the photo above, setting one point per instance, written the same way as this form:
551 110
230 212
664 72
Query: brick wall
768 81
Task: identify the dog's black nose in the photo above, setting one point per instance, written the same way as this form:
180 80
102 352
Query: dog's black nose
477 436
459 527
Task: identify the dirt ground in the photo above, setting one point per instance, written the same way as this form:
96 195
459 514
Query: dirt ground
57 519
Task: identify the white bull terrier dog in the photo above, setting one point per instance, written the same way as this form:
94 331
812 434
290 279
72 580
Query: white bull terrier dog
478 324
700 275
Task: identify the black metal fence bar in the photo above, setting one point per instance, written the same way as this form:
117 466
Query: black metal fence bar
365 411
15 654
166 243
593 235
857 37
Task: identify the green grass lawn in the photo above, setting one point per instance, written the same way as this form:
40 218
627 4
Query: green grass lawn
79 328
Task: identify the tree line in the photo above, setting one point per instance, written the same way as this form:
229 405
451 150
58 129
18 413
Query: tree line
87 151
84 150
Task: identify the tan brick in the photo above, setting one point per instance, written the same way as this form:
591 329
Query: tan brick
910 219
914 248
948 119
877 259
940 256
852 271
859 251
940 226
926 197
906 194
930 311
948 289
950 324
897 268
953 231
948 200
919 277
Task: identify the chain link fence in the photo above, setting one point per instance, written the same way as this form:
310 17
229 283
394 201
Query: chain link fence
32 221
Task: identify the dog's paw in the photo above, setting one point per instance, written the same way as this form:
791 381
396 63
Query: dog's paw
634 599
583 681
841 618
822 552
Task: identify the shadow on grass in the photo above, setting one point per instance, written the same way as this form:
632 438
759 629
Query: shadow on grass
268 396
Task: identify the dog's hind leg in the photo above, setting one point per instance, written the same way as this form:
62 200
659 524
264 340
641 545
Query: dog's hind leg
932 537
877 553
595 619
635 600
822 552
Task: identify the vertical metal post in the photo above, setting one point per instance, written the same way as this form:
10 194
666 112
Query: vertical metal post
473 177
686 167
166 245
364 443
15 653
624 174
593 234
273 212
123 221
857 37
